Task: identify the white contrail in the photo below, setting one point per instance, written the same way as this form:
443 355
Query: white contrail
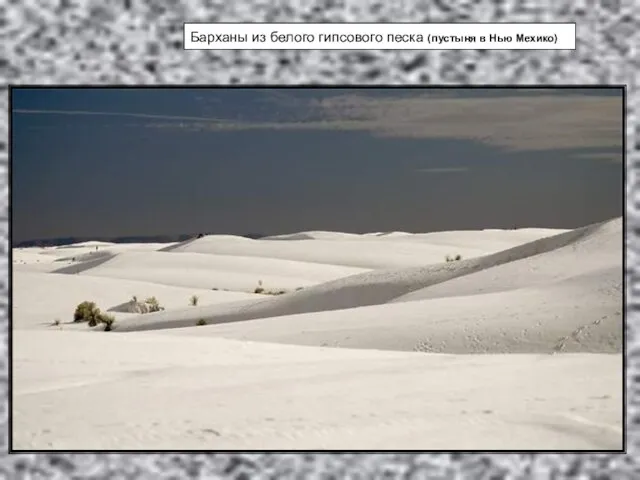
118 114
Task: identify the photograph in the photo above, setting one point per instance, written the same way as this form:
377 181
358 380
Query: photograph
317 268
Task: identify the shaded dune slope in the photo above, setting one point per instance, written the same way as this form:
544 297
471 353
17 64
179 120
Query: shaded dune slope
85 262
375 287
313 235
177 245
532 320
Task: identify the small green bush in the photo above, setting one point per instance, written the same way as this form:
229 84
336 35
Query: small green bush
90 313
201 322
193 301
86 312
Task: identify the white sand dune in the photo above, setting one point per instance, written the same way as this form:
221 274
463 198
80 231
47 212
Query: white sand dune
313 235
486 240
82 245
49 259
375 287
394 235
148 391
517 346
211 271
599 248
65 252
235 239
351 251
30 256
40 298
543 319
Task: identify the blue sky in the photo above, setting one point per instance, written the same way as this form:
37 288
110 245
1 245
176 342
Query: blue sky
146 161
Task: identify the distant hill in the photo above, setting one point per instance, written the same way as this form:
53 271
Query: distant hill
56 242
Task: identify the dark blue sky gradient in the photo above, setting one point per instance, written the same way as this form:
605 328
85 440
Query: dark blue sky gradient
113 174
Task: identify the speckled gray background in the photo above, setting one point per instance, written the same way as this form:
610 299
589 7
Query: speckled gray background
140 42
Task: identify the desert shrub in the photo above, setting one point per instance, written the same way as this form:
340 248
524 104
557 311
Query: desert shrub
86 312
90 313
201 322
449 258
107 320
56 322
458 257
153 304
193 301
259 288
